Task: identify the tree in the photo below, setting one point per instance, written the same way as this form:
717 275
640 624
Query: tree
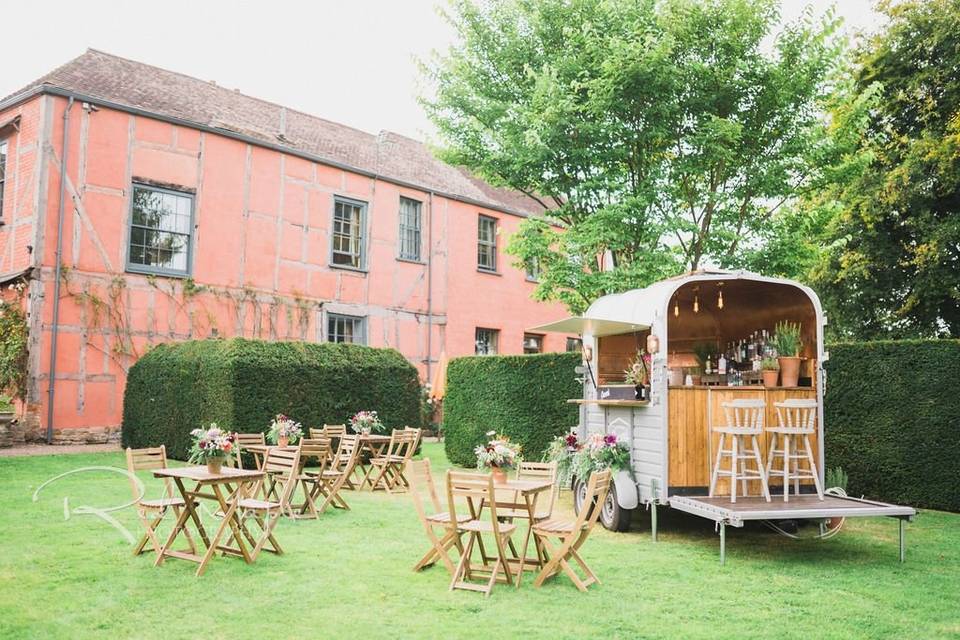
661 135
892 267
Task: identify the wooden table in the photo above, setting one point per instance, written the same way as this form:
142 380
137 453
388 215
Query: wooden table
374 444
530 491
235 480
260 451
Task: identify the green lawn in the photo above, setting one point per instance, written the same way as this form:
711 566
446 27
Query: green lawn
348 575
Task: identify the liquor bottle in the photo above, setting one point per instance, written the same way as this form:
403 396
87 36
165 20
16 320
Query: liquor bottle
743 352
722 365
709 367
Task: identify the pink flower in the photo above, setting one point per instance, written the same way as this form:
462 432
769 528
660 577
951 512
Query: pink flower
610 438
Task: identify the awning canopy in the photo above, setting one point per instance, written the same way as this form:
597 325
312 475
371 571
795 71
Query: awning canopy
596 327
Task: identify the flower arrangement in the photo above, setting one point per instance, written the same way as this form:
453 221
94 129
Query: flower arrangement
284 430
211 445
639 372
583 457
366 422
497 453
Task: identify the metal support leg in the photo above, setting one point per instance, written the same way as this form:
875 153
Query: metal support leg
653 519
723 543
903 527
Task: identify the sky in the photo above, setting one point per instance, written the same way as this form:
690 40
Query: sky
353 62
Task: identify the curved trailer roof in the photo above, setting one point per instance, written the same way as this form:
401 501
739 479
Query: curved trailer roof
638 309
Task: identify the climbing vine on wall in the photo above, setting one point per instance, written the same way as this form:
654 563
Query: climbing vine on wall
14 335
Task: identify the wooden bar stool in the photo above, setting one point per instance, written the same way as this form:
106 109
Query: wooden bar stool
744 423
796 420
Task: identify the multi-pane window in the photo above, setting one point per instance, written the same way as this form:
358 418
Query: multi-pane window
532 343
349 220
409 229
3 172
533 269
161 223
346 329
574 344
487 244
486 342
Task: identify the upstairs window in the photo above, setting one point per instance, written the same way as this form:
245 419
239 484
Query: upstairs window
3 173
410 229
349 223
486 342
161 224
533 269
532 343
487 244
342 328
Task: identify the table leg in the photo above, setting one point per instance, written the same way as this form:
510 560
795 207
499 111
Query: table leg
531 502
228 514
189 511
235 524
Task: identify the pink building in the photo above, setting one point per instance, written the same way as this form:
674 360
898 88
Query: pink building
188 210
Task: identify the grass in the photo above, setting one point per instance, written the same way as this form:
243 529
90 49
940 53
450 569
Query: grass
348 575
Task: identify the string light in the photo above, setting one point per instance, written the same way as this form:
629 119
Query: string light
720 297
676 308
696 300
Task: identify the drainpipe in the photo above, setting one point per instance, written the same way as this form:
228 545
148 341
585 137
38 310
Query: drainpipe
429 285
56 282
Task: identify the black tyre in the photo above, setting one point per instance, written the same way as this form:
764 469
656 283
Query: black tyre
612 516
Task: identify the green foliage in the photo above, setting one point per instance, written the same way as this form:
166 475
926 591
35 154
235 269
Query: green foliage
702 351
662 134
786 339
243 384
769 364
836 477
14 340
6 404
522 397
891 265
891 420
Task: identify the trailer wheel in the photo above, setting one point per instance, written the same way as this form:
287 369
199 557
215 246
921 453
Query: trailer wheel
612 516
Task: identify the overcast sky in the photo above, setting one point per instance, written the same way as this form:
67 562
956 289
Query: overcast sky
352 62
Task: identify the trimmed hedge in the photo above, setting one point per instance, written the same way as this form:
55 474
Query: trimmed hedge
892 416
523 397
241 384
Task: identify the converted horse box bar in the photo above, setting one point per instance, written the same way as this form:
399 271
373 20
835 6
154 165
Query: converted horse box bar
670 432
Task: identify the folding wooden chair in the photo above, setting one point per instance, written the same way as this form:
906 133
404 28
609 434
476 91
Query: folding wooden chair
545 505
478 490
420 479
316 453
572 535
243 440
403 442
336 476
152 511
282 466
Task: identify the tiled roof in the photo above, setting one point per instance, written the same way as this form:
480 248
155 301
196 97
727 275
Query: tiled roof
96 74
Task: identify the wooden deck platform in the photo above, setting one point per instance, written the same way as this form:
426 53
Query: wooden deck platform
802 507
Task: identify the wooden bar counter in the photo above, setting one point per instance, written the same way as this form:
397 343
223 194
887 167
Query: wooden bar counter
694 410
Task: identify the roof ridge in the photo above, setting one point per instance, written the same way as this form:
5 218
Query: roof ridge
214 83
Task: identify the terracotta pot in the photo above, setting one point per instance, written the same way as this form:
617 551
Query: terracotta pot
697 380
283 441
365 431
770 377
499 475
214 465
789 371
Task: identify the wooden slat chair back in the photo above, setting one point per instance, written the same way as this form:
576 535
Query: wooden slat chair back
403 444
243 440
744 423
423 491
796 422
572 535
151 512
334 430
477 491
540 471
337 475
316 454
282 466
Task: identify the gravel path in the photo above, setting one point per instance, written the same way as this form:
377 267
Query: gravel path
56 449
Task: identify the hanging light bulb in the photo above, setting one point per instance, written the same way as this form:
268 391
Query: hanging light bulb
696 300
720 297
676 308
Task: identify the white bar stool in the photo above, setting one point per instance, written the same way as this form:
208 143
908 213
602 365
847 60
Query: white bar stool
796 422
744 423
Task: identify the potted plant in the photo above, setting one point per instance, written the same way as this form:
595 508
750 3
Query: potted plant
639 375
499 455
211 446
786 340
366 422
7 417
702 351
599 452
561 450
284 431
770 369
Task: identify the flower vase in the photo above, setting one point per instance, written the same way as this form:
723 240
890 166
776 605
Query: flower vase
214 465
365 431
499 475
283 441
